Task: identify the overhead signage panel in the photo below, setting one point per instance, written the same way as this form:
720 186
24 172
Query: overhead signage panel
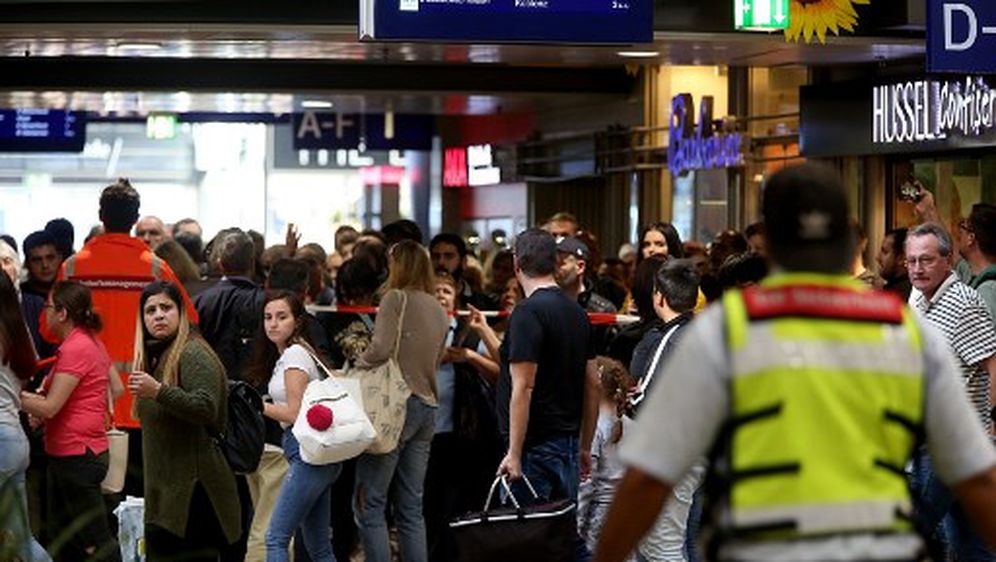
508 21
916 115
41 130
314 130
961 36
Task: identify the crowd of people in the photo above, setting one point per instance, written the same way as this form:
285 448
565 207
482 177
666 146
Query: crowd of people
142 327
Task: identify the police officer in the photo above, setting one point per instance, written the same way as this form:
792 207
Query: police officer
811 391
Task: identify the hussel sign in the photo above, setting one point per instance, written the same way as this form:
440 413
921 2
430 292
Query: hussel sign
931 110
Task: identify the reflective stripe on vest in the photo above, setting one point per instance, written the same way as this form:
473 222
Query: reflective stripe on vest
827 404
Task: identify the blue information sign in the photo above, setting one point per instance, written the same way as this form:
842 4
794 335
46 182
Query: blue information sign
41 130
509 21
315 130
961 36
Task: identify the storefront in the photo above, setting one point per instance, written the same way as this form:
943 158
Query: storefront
939 131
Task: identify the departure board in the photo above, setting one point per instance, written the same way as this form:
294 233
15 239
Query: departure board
508 21
41 130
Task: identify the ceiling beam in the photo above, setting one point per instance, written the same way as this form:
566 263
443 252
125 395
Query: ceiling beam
254 75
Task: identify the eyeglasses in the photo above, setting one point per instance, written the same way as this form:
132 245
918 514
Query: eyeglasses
925 261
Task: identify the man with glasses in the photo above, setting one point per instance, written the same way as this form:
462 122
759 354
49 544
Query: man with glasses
961 315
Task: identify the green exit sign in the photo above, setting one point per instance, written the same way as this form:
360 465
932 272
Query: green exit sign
160 126
761 15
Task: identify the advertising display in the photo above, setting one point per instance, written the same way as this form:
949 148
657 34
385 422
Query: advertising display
41 130
700 145
902 116
508 21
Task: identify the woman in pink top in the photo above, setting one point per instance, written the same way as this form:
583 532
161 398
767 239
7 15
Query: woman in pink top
74 408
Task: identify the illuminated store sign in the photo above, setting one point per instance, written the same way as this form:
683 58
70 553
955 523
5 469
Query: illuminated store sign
700 146
927 110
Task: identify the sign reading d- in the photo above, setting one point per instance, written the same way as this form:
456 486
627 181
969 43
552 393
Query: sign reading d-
961 36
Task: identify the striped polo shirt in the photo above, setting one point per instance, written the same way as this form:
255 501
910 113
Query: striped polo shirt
962 316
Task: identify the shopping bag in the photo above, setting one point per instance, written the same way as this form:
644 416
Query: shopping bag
117 464
385 395
131 529
331 425
533 533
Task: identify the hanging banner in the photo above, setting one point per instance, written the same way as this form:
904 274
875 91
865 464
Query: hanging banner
508 21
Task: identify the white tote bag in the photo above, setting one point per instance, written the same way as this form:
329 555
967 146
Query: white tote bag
117 449
331 425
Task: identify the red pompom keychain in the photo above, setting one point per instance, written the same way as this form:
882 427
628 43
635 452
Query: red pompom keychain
320 417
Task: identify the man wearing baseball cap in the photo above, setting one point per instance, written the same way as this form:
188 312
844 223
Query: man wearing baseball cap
812 392
571 275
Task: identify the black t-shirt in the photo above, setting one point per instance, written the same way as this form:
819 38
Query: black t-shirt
551 330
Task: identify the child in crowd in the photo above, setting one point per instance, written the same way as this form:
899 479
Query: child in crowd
596 494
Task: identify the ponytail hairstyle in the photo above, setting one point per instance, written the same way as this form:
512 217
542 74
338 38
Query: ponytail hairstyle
616 384
75 299
16 347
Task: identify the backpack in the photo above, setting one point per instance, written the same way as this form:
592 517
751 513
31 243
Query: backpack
245 434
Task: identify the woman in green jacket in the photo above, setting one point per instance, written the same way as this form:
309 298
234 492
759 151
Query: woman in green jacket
191 502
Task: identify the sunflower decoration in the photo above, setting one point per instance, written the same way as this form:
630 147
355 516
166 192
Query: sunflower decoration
815 17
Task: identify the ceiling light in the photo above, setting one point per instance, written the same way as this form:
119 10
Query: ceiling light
639 54
316 104
139 46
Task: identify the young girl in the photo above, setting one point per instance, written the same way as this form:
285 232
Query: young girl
596 494
284 361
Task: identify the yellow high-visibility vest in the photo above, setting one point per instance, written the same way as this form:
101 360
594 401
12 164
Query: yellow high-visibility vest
827 404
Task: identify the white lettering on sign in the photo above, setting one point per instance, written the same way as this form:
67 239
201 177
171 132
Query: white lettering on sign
312 125
480 168
927 110
967 14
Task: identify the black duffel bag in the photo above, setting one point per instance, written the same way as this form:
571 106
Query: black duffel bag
534 533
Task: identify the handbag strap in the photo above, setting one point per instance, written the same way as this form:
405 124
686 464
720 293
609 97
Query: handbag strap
323 370
401 319
503 480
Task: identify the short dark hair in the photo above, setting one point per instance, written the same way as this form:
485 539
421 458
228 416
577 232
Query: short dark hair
345 234
898 239
678 281
193 244
236 252
403 229
742 269
536 252
357 279
119 204
38 239
64 234
643 286
451 239
982 221
289 274
181 223
754 229
806 213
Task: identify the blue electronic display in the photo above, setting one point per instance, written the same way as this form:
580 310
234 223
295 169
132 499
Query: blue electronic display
508 21
41 130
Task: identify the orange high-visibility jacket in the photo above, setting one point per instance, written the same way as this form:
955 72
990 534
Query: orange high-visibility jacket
116 267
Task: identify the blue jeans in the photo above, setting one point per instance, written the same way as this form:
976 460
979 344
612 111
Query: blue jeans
554 470
305 501
14 499
406 465
949 531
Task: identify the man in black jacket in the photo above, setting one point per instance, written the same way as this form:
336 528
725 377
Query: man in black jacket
231 311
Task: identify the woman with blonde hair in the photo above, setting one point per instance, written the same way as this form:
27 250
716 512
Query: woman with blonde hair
191 503
409 305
